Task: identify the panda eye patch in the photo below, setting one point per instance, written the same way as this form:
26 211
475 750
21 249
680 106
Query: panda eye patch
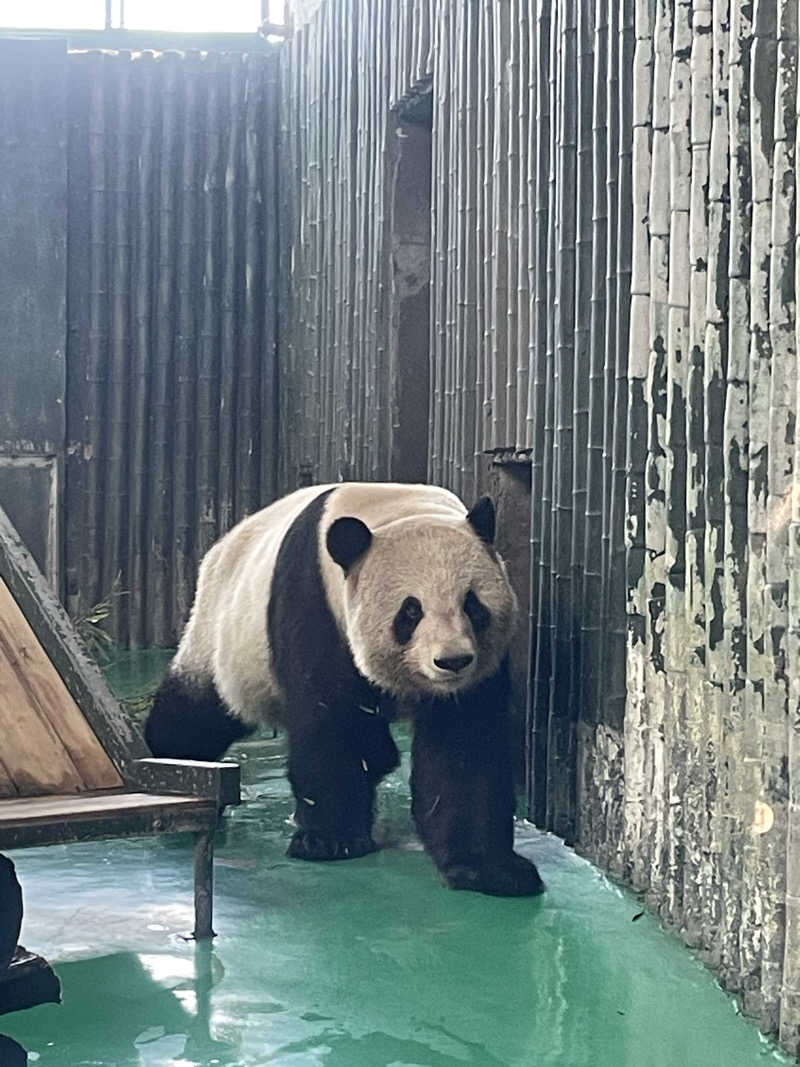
407 618
477 613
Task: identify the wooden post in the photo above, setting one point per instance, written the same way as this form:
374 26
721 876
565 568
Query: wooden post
203 885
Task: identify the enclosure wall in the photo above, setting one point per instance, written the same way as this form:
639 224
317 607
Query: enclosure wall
172 258
612 301
709 825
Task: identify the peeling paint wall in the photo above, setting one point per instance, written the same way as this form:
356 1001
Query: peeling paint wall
710 752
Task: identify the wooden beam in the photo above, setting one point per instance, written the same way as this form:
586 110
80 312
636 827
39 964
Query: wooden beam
35 821
54 631
219 782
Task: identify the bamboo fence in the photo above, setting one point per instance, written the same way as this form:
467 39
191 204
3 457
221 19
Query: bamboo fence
172 319
613 250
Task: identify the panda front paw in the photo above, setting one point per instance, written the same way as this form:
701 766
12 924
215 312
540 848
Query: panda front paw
513 876
312 845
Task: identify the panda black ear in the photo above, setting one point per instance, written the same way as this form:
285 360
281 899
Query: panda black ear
481 519
348 539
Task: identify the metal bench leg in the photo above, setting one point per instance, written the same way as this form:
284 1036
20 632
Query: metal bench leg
203 885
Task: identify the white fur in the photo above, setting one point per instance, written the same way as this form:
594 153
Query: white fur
422 546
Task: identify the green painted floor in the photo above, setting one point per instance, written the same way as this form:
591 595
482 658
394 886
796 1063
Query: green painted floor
364 964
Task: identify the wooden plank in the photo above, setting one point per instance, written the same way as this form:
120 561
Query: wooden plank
49 698
48 620
45 821
66 807
7 787
34 755
219 782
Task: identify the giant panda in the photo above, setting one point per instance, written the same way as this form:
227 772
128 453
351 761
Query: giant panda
326 613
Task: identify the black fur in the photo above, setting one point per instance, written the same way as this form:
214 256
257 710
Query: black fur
339 747
406 620
482 519
477 612
462 792
189 721
347 541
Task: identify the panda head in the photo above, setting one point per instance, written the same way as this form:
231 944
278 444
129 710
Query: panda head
428 607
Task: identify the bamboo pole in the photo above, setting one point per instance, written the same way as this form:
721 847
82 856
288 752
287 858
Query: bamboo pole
525 133
699 901
470 164
789 1022
499 250
591 628
484 437
656 463
209 336
184 490
273 251
715 370
582 325
456 244
675 553
381 439
545 646
117 435
160 512
96 381
250 193
79 77
314 378
511 312
637 733
476 267
616 681
562 743
774 72
437 450
540 651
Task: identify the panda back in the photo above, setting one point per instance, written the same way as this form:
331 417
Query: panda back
226 640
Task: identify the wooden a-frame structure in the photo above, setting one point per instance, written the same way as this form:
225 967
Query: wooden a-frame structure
72 766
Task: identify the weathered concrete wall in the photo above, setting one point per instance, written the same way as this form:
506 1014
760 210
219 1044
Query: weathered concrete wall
33 294
709 743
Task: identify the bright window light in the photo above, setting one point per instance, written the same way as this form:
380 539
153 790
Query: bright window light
193 16
183 16
53 14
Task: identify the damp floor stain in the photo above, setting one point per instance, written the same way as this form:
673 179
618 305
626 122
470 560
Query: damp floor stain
370 963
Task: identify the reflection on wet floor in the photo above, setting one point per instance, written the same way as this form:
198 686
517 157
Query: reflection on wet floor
370 963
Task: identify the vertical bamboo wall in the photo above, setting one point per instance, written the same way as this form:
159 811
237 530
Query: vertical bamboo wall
334 395
614 241
172 318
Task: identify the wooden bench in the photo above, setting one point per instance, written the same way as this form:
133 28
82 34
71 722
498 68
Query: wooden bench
27 822
73 767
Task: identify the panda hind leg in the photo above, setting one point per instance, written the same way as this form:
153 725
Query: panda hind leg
189 720
335 765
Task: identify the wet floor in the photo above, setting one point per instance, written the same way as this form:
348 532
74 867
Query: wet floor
370 963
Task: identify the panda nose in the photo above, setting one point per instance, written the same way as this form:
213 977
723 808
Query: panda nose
454 663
